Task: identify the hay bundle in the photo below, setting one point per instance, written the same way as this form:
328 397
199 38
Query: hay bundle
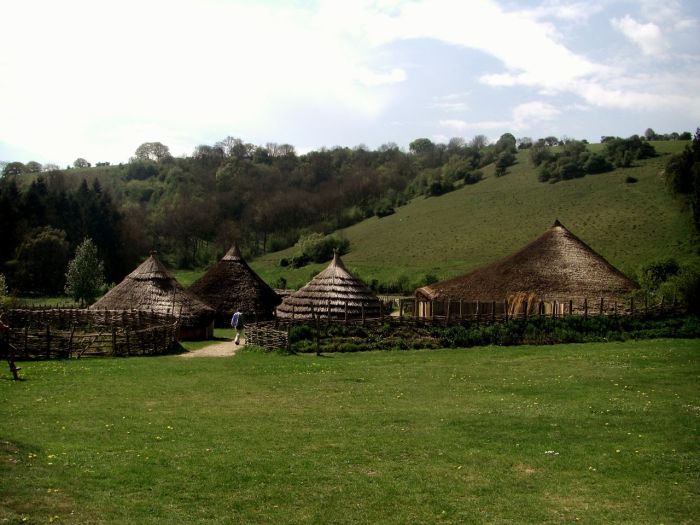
232 285
332 292
555 266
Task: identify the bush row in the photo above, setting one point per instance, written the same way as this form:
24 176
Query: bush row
340 338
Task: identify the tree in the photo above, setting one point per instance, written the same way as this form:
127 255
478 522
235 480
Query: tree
479 142
524 143
505 159
41 261
14 168
506 143
421 146
650 134
33 166
85 275
152 151
81 163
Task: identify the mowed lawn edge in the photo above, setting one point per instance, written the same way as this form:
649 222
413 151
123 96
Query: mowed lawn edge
532 434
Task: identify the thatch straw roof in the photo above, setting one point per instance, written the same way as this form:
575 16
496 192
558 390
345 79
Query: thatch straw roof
555 266
151 287
331 290
232 285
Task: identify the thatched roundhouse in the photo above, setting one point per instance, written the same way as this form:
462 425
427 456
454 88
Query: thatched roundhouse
150 287
557 266
333 292
232 285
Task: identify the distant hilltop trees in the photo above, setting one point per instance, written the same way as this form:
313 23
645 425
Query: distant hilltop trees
267 197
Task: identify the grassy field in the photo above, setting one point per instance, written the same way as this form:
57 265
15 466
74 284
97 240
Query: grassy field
596 433
629 224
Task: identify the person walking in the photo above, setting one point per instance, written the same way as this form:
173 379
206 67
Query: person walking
237 325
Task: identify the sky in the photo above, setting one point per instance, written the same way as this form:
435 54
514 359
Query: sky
95 79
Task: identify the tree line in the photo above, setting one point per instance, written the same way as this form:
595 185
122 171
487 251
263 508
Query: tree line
267 197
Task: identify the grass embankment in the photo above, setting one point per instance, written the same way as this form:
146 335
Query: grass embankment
629 224
596 433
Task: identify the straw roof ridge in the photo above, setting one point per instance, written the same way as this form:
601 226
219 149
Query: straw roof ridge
332 289
232 285
556 265
151 287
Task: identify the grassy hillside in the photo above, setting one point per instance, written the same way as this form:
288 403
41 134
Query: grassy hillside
628 223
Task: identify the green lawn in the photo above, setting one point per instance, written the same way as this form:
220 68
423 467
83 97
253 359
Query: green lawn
595 433
629 224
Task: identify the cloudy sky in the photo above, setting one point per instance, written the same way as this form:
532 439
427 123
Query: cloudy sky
94 79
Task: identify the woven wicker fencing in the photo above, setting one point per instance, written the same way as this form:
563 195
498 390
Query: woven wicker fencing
67 333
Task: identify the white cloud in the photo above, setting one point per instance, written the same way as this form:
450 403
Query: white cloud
578 12
523 116
647 36
96 79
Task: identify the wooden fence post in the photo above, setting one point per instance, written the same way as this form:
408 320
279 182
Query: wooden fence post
505 309
585 307
493 311
70 339
601 306
48 341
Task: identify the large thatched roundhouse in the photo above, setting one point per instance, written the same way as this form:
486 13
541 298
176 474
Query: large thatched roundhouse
557 266
150 287
232 285
334 292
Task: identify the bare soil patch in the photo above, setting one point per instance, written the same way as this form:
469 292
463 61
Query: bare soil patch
225 349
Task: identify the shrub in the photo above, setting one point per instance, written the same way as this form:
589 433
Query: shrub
316 247
654 274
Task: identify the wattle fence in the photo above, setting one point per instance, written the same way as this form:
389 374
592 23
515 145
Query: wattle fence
73 333
409 311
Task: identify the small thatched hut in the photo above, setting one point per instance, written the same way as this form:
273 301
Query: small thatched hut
150 287
232 285
334 292
557 266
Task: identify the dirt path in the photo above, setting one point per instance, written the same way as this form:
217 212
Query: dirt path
225 349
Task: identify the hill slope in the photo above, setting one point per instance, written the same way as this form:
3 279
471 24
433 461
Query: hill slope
628 223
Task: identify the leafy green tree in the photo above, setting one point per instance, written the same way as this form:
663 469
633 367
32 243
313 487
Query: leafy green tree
14 168
505 143
505 159
81 163
33 166
154 151
85 275
41 261
654 274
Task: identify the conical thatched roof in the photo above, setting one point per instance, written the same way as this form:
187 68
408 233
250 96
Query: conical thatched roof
555 266
333 288
232 285
151 287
